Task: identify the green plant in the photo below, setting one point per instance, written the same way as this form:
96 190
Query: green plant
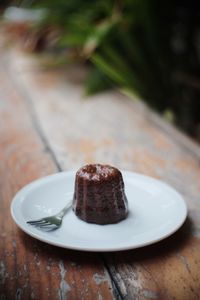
149 48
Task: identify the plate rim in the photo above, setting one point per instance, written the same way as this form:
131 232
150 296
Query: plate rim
44 179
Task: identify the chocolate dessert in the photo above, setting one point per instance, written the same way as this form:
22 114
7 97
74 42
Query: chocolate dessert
99 195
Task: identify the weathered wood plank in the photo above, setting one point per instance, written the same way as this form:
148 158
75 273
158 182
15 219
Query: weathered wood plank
111 129
30 269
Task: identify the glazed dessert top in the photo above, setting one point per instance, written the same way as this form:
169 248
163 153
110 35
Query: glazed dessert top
98 172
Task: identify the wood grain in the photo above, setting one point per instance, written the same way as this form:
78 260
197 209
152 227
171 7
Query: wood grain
30 269
110 128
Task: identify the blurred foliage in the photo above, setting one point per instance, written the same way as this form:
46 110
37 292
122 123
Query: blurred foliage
149 48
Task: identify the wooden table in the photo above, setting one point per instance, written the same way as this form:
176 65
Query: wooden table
46 126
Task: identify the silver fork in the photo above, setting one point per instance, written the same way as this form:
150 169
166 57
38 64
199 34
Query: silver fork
51 222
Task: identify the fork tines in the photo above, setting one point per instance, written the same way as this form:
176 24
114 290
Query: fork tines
43 225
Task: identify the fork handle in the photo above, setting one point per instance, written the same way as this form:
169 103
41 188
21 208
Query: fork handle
64 210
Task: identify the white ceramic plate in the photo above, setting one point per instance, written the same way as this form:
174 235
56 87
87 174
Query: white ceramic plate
155 211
